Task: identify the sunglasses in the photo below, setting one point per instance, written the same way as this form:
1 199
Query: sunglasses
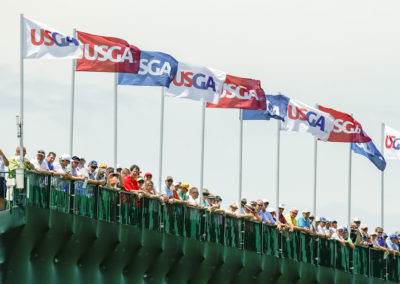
379 232
170 180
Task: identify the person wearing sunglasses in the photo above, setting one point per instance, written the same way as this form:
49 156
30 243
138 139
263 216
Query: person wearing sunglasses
380 239
166 189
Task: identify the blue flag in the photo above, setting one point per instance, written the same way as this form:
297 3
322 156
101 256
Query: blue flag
370 151
156 69
277 107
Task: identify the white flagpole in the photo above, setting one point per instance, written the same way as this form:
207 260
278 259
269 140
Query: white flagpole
115 120
71 124
382 178
349 187
21 89
203 120
160 163
278 156
240 159
315 174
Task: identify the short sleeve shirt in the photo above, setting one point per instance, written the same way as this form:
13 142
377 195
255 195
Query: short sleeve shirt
191 200
38 165
130 183
291 220
166 190
303 222
2 166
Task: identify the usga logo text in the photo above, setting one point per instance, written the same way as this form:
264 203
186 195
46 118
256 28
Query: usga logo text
231 91
199 80
48 38
313 119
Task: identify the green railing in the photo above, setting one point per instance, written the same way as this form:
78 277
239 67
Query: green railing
81 198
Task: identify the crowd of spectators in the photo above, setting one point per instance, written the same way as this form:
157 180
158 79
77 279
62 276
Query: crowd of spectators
134 181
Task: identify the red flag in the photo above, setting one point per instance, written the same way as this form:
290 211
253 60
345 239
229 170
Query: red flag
107 54
241 93
346 128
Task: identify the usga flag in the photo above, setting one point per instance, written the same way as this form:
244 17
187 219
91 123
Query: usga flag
41 41
197 82
156 69
107 54
346 128
241 93
303 118
277 106
391 150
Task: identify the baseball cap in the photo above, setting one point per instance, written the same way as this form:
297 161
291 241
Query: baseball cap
334 221
211 197
305 210
81 157
345 230
356 220
206 191
311 216
271 209
384 234
281 205
234 205
363 227
119 166
294 209
41 153
103 166
373 233
265 200
394 236
243 201
317 220
93 164
185 185
169 178
65 157
146 174
218 198
339 228
74 158
140 179
322 219
177 183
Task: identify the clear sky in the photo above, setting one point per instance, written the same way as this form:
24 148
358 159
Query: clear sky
340 54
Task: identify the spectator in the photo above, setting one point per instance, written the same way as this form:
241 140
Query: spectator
3 186
206 201
272 211
82 162
124 174
175 189
265 216
355 234
51 156
364 235
254 204
76 175
130 181
115 180
63 168
194 196
140 181
119 169
321 228
312 227
291 217
357 222
14 162
328 227
338 235
149 177
393 243
232 209
149 188
101 174
303 221
211 200
333 227
218 201
182 192
282 218
166 188
347 238
379 239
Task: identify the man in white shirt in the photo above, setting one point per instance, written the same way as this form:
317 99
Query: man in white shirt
194 196
63 167
39 163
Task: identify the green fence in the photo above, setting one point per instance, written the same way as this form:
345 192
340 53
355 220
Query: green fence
84 199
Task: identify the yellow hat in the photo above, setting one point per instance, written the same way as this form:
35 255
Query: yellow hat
103 166
185 185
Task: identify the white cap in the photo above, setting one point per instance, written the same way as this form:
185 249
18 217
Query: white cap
177 183
281 205
339 228
305 210
65 157
294 209
356 220
271 209
119 166
265 200
81 157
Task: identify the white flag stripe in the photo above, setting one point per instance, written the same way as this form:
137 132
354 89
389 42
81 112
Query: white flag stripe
42 41
391 149
303 118
197 83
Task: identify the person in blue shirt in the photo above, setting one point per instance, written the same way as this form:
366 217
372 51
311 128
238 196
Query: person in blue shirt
304 221
393 243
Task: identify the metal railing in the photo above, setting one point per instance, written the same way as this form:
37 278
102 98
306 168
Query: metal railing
101 203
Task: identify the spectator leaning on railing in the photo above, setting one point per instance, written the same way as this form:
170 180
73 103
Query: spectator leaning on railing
40 164
3 187
51 156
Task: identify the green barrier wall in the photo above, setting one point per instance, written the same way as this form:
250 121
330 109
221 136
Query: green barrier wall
66 232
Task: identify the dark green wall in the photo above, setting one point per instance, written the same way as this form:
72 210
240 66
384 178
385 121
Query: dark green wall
45 246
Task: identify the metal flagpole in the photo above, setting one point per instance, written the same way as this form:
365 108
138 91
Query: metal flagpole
278 156
203 120
21 94
382 178
315 175
115 120
160 163
71 124
240 159
349 187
